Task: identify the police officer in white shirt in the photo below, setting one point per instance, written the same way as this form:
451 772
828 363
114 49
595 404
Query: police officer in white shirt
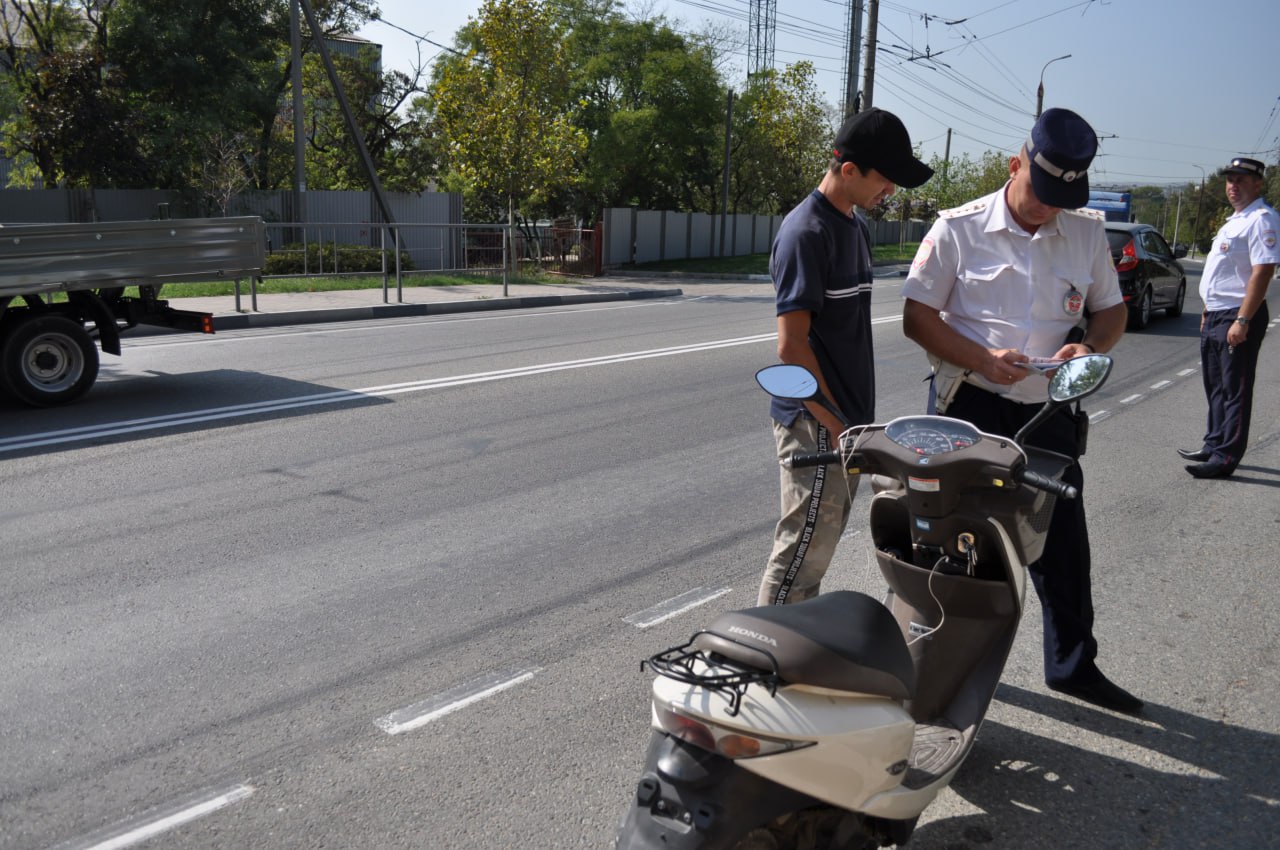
996 282
1237 270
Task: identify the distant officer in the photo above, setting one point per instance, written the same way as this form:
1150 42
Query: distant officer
1003 279
1237 271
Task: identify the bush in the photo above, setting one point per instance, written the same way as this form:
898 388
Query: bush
288 259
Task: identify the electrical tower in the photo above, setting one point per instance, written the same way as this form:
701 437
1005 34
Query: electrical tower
764 20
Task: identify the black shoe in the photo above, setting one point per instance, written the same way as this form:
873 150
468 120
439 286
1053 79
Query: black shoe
1102 692
1199 456
1209 469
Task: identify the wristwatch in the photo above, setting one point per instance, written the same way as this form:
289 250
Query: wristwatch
1242 320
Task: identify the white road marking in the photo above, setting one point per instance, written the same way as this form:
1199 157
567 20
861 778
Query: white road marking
1161 385
1131 399
152 825
1099 416
1186 372
674 607
433 708
152 423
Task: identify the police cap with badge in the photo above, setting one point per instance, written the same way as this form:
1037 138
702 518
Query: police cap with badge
1244 165
1060 148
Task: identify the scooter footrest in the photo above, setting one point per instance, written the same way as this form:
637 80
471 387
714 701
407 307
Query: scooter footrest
932 753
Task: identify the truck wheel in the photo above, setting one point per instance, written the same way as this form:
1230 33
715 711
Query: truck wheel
48 360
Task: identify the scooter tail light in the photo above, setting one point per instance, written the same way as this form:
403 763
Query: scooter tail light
1128 258
730 743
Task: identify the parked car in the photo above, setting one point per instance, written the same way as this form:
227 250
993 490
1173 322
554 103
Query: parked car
1151 277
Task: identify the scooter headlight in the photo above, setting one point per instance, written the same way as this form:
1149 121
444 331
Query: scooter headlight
722 740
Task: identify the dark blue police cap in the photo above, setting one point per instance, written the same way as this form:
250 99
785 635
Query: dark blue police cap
1060 148
1244 165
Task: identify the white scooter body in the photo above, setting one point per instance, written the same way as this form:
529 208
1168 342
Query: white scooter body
856 738
842 702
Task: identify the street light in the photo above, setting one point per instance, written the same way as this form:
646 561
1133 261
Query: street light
1040 90
1195 231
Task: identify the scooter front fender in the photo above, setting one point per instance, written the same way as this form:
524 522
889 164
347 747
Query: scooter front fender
690 799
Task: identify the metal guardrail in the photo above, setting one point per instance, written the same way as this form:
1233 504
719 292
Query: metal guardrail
319 248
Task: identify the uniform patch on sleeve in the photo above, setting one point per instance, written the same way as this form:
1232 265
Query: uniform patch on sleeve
924 251
1268 238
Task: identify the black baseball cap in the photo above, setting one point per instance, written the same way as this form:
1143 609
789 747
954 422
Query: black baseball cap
877 139
1244 165
1060 148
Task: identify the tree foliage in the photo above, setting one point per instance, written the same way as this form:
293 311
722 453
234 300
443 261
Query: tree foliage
504 107
782 135
650 103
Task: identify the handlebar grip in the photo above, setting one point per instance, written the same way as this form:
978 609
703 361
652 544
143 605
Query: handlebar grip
798 460
1058 488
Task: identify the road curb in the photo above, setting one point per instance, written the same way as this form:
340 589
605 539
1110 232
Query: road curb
241 321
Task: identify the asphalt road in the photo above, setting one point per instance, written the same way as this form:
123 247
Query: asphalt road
387 584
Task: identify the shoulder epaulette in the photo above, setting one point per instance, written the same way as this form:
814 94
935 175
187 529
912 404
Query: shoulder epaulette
1085 212
967 209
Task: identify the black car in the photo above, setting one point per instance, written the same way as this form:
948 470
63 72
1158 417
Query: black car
1151 277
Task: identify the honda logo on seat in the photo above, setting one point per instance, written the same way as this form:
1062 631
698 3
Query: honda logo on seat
738 630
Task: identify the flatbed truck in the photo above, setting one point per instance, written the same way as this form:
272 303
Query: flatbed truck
47 351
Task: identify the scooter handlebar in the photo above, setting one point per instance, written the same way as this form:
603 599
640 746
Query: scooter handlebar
799 460
1031 478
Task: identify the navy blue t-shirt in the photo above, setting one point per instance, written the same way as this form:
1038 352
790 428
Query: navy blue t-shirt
821 262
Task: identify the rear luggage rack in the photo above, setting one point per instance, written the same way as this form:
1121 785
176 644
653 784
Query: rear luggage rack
678 663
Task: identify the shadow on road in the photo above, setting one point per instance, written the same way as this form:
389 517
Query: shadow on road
1187 781
144 405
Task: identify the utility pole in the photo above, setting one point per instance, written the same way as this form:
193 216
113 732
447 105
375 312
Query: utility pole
299 146
317 37
1177 216
724 190
1195 230
854 57
869 75
1040 88
946 159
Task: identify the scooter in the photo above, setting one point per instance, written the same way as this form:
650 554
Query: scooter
831 724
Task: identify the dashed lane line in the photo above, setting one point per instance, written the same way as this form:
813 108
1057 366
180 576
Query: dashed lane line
674 606
455 699
159 821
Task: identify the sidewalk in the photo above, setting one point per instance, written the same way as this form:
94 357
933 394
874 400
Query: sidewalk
291 308
295 308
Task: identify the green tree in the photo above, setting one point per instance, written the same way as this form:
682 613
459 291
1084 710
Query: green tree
59 95
504 108
781 141
194 70
651 104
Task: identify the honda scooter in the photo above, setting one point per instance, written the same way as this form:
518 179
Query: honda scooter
831 724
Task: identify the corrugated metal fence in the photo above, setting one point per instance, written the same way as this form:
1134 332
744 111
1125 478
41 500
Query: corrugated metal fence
646 236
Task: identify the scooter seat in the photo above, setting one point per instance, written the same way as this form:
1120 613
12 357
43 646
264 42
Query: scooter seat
843 640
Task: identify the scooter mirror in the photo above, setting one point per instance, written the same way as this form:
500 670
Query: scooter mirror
1079 377
788 381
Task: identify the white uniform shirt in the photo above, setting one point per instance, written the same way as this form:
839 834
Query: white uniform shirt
1247 239
1003 287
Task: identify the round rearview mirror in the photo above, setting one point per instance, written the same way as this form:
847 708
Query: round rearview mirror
1079 376
788 381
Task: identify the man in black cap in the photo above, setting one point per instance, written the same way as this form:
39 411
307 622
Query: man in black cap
821 269
1237 271
1000 280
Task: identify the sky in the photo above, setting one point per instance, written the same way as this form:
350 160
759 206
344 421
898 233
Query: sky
1174 89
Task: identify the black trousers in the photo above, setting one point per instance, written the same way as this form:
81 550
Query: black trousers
1229 375
1062 575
